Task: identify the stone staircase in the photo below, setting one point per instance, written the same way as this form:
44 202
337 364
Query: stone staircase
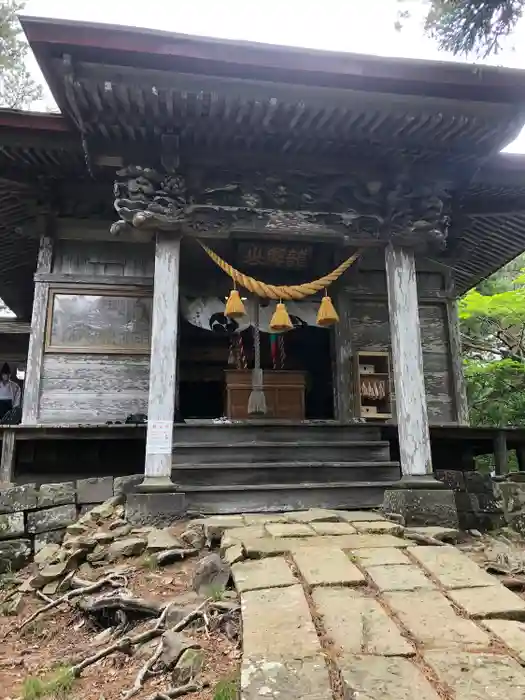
264 466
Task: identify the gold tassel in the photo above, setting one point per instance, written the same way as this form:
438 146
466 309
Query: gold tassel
327 315
234 306
280 320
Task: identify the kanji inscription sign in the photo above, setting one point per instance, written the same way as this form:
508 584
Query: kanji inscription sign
275 255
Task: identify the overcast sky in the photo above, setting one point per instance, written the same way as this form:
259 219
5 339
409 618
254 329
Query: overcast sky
362 26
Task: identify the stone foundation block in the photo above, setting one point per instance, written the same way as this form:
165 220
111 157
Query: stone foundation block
56 494
126 484
45 538
95 490
466 501
18 498
157 509
511 496
475 482
422 506
11 525
51 519
14 554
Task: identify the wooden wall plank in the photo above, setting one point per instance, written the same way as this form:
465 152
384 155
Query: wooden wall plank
36 338
343 361
104 258
459 387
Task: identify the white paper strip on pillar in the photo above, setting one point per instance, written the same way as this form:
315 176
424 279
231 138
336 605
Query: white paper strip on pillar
407 360
163 363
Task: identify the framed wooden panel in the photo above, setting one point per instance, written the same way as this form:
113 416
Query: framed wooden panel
98 320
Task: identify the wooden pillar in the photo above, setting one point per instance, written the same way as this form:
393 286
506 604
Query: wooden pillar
35 353
407 360
501 456
7 461
459 386
163 363
344 405
520 456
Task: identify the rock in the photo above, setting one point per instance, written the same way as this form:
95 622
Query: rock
16 498
125 484
121 531
475 533
130 547
13 606
45 538
87 543
120 522
289 679
56 494
234 554
160 540
14 554
77 528
104 510
395 518
50 572
173 645
51 588
171 555
289 530
188 666
442 534
365 676
272 572
47 554
51 519
11 525
194 536
177 613
103 537
98 554
94 490
87 572
211 575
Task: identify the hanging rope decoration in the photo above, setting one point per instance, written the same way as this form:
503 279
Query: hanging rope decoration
280 322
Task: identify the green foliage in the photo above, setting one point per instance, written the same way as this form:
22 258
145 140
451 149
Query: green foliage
57 687
226 690
496 392
470 26
17 88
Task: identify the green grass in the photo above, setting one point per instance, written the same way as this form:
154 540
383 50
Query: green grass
225 690
56 687
149 563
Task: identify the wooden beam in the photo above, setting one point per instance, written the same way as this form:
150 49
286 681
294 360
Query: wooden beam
343 370
459 386
31 399
92 280
92 230
163 363
501 457
407 360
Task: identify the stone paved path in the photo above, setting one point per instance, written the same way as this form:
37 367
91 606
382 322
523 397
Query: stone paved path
339 605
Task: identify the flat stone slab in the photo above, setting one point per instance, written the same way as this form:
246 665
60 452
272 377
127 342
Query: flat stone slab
306 679
272 572
432 621
379 527
263 518
443 534
452 568
270 546
492 601
380 556
277 624
312 515
358 624
474 676
356 516
321 566
511 633
333 528
384 678
242 534
399 577
289 530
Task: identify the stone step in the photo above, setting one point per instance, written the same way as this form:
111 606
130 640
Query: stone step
260 473
261 429
276 497
280 451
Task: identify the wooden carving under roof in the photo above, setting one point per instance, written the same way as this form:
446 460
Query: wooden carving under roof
397 207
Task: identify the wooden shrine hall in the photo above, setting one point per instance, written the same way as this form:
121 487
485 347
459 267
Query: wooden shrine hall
240 263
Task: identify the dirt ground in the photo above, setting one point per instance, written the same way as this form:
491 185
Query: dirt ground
64 636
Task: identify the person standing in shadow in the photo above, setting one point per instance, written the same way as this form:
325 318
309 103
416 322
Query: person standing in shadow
10 393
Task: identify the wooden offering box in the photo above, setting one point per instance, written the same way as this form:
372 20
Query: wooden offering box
284 393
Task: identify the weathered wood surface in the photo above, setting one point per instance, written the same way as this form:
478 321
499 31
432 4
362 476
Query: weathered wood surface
94 280
459 386
501 455
407 360
343 360
36 339
7 461
93 388
104 259
163 362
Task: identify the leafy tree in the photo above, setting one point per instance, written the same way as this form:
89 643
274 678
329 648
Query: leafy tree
469 26
17 88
